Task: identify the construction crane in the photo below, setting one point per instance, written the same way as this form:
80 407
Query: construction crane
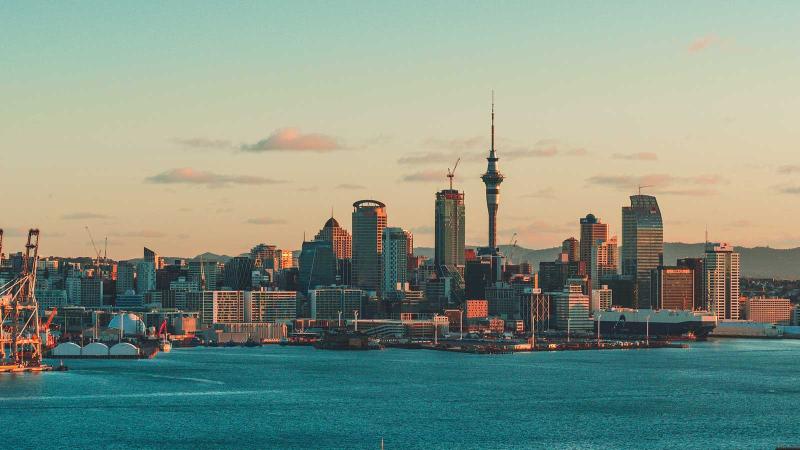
512 243
96 251
645 186
452 173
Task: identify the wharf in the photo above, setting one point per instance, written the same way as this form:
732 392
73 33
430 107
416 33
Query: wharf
12 368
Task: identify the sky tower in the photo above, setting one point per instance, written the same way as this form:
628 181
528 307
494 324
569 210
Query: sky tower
492 179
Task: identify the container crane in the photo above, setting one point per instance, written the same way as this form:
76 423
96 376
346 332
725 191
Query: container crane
452 173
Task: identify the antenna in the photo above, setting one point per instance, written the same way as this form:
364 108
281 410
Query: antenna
492 147
452 173
645 186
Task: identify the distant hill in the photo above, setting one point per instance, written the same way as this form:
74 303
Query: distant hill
757 262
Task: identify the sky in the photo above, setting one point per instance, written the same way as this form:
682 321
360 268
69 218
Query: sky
212 126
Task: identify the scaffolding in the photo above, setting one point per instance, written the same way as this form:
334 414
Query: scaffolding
20 339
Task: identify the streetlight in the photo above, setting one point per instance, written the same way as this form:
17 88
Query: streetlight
461 324
435 331
568 320
340 319
648 330
355 313
598 330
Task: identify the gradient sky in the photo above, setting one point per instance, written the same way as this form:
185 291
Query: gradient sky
212 126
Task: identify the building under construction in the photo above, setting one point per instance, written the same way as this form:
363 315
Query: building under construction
20 340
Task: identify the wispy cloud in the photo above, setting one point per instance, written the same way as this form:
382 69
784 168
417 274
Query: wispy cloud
544 193
140 234
702 43
187 175
350 186
640 156
697 185
423 229
291 139
265 221
793 190
83 216
204 143
789 169
428 176
469 143
546 148
422 158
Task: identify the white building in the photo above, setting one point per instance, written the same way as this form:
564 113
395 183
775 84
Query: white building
270 306
217 306
721 280
601 299
572 309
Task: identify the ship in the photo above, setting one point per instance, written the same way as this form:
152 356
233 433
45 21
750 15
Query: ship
661 323
342 339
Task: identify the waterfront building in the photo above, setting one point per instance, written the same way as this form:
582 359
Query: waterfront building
177 292
572 309
369 220
270 306
395 260
572 248
768 310
476 309
145 277
326 303
51 298
340 239
642 244
672 288
449 228
217 306
238 273
125 277
317 265
602 298
592 231
721 280
696 265
604 260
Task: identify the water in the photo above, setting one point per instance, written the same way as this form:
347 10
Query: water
727 393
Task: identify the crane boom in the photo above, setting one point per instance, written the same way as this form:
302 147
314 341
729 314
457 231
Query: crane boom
94 246
452 173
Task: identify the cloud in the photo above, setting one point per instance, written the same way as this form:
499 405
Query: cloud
793 190
435 158
470 143
83 216
187 175
640 156
265 221
696 185
350 186
204 143
291 139
789 169
428 176
140 234
544 193
308 189
546 148
423 229
702 43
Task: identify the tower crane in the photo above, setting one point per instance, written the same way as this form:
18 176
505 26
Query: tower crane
96 251
452 173
512 243
645 186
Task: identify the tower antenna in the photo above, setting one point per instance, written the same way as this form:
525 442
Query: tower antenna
492 148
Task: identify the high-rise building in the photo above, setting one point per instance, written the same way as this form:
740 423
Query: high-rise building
205 273
572 309
91 292
327 303
449 228
572 248
266 256
369 220
317 265
721 280
217 306
602 298
145 277
642 244
604 260
238 273
125 277
696 265
270 306
151 256
340 239
672 288
592 231
395 260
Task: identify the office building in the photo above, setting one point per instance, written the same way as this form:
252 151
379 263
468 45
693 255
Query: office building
721 280
572 309
572 248
369 220
129 299
395 260
238 273
126 277
145 277
217 306
270 306
91 292
449 226
317 265
477 275
642 244
592 231
672 288
152 257
206 274
604 260
768 310
266 257
327 303
602 298
696 265
339 238
503 301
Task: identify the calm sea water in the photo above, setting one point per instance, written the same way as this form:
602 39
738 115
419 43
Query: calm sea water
728 393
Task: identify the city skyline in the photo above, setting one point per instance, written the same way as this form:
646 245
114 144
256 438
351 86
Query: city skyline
149 151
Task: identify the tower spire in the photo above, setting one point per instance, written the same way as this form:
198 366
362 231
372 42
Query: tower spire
492 147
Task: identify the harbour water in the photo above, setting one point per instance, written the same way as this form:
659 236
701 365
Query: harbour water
716 394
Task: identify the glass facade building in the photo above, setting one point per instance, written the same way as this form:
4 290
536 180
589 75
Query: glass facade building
642 244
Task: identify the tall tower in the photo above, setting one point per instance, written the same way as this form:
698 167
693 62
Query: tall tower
492 179
642 244
369 221
721 280
449 229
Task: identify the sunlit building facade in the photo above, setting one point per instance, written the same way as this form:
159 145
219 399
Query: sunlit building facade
642 244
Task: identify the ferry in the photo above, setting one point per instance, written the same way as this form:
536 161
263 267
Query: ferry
662 323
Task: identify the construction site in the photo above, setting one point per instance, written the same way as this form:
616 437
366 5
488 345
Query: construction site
20 329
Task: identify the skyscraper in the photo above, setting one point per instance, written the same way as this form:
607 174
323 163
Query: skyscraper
604 260
395 260
673 288
721 280
449 228
151 256
125 277
369 220
492 179
145 277
572 248
266 256
642 244
592 231
317 265
339 238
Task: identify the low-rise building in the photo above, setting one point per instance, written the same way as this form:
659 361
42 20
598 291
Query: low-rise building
768 310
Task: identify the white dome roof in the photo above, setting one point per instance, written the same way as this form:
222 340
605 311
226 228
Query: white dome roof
95 349
124 348
131 324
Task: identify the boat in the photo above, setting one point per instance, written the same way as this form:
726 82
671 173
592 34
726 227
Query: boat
664 323
343 339
252 343
231 344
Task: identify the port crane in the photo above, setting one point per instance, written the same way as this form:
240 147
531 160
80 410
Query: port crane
452 173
